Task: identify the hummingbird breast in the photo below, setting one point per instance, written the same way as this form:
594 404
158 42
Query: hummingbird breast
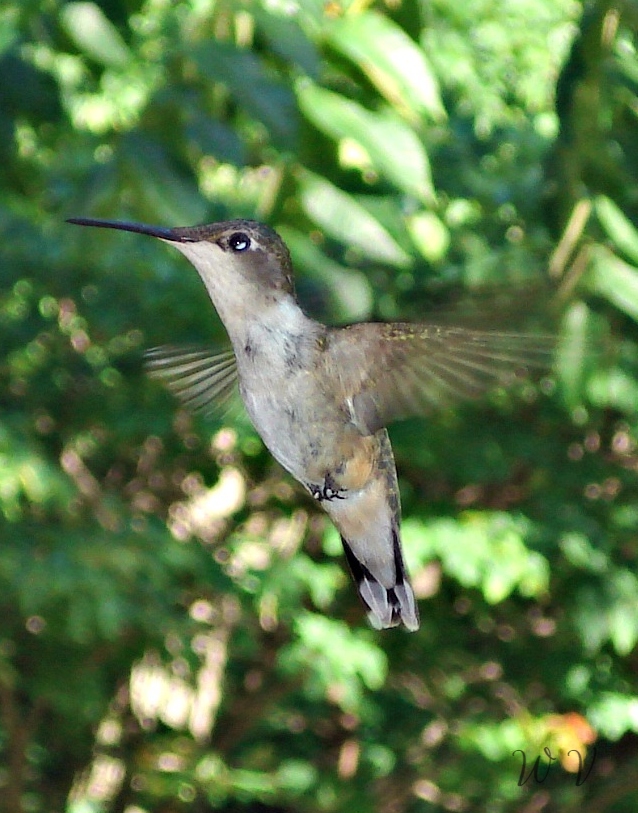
287 398
295 422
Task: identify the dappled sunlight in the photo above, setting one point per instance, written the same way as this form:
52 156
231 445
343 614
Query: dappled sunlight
348 761
88 486
204 513
158 692
261 540
167 692
100 783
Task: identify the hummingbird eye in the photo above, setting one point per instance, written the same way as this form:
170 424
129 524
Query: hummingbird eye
239 241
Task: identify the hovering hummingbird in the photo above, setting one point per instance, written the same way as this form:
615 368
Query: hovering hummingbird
321 397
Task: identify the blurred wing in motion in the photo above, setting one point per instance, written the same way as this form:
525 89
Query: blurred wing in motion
203 381
404 369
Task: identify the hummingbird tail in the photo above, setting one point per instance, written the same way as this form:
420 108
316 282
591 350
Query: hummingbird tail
387 606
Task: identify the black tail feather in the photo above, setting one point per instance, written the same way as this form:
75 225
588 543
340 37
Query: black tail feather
387 606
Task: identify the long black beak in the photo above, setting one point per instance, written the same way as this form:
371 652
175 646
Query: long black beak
140 228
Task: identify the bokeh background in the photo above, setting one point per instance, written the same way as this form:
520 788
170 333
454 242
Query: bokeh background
177 627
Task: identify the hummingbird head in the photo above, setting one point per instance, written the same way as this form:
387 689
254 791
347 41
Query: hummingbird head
233 252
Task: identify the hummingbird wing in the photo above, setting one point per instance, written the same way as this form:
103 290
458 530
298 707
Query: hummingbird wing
398 370
202 380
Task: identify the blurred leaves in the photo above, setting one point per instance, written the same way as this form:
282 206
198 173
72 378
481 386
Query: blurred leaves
393 62
483 550
346 220
266 99
614 714
617 281
94 35
340 662
619 228
391 147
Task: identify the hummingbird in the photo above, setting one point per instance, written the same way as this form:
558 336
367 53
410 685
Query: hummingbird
321 397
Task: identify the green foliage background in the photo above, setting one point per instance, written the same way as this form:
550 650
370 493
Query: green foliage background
177 629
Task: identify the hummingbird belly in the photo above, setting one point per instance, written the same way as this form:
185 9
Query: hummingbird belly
285 396
305 431
297 432
318 447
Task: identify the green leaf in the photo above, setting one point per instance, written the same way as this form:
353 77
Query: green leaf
25 90
573 356
608 612
485 550
263 97
578 550
619 228
613 388
347 221
287 38
318 654
615 280
296 775
392 146
613 714
392 61
496 740
623 618
216 138
430 235
168 196
94 34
